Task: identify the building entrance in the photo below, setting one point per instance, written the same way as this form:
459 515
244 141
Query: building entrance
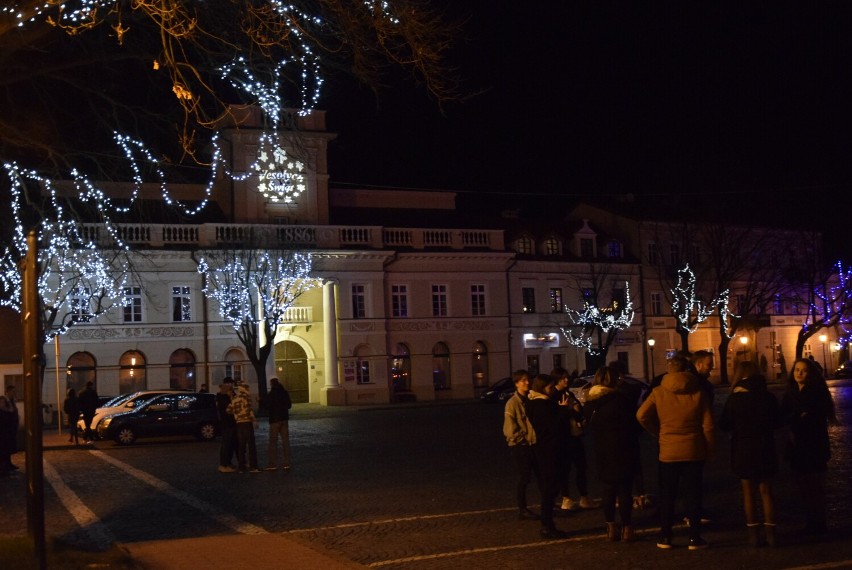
291 362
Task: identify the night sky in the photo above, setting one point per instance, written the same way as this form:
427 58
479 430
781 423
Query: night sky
745 103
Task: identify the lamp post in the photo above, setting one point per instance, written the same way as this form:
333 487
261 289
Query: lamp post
822 338
651 343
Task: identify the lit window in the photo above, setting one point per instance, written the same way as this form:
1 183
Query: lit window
181 304
477 300
132 304
556 305
399 300
552 246
524 246
439 300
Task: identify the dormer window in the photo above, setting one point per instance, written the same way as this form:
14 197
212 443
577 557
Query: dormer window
552 246
614 249
524 245
587 247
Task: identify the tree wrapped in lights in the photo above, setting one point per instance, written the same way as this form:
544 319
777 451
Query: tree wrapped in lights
78 279
689 309
253 290
830 306
76 71
595 327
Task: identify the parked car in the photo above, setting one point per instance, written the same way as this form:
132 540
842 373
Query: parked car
844 370
122 403
500 391
183 413
580 387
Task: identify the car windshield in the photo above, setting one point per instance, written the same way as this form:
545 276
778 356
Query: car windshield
118 400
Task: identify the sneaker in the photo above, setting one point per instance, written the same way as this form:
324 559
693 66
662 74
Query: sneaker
271 468
569 505
698 543
664 542
226 469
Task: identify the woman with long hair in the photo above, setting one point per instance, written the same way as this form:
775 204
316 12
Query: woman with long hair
751 416
807 408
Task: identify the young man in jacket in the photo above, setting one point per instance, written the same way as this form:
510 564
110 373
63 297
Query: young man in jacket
521 437
678 412
278 405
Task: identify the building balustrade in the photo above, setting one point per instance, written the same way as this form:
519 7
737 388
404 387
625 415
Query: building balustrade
288 236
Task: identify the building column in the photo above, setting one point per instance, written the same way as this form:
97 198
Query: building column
332 393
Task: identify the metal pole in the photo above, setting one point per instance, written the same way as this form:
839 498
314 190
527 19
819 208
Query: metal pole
58 395
32 361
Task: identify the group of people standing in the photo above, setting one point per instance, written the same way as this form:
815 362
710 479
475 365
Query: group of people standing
678 412
237 420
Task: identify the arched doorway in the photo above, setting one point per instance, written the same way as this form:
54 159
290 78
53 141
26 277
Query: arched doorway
291 363
441 366
182 370
131 372
479 366
401 373
79 369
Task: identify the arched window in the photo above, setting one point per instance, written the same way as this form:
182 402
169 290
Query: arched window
524 245
234 360
79 369
132 375
552 246
480 366
182 370
401 369
362 364
441 366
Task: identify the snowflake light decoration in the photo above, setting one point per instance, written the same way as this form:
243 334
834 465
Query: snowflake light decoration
281 178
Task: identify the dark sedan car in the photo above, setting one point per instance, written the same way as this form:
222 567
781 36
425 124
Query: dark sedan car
501 391
844 370
168 414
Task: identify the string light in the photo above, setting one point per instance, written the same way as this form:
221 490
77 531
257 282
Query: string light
253 286
594 320
832 306
688 309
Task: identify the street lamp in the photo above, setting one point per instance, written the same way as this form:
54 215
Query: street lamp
651 343
822 338
744 342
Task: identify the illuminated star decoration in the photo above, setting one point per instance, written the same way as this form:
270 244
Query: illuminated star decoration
688 309
593 318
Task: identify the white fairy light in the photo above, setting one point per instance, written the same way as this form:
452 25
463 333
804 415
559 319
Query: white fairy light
688 309
593 319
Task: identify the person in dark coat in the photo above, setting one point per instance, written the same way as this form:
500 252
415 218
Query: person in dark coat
613 427
751 415
543 414
71 407
572 449
807 408
89 402
227 425
278 405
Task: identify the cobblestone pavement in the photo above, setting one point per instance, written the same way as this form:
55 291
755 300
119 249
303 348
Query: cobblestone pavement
419 486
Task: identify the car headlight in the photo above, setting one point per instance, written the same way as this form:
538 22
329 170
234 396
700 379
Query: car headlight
105 422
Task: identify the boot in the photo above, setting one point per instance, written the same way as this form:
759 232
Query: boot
770 534
613 533
754 537
627 533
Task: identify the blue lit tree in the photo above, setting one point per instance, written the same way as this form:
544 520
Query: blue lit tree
829 304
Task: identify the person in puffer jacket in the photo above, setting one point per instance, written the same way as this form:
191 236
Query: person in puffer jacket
240 406
678 413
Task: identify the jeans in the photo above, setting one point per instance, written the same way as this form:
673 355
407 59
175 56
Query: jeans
276 429
228 446
245 442
523 456
689 475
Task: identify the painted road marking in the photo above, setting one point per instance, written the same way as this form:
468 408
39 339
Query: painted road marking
397 520
838 564
218 515
99 534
